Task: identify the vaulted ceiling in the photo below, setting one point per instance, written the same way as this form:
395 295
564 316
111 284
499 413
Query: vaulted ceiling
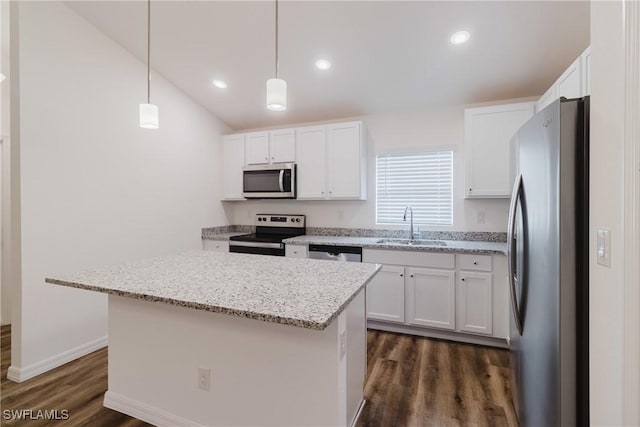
385 55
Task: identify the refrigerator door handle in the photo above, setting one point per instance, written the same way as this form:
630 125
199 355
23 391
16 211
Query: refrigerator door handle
511 250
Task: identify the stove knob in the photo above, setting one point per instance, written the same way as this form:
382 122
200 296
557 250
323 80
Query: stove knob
293 219
259 219
264 219
297 219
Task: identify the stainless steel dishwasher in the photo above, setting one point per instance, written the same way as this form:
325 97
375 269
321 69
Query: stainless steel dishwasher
336 253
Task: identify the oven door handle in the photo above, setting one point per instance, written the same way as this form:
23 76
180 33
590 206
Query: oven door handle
281 180
256 244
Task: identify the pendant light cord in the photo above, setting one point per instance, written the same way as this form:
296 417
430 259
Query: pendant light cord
277 60
148 51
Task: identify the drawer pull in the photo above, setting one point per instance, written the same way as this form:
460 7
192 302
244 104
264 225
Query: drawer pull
462 279
401 275
475 262
411 275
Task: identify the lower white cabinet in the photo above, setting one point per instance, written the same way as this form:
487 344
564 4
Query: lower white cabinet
431 298
385 294
438 294
215 245
295 251
475 302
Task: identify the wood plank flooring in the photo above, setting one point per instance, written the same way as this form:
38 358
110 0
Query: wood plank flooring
412 382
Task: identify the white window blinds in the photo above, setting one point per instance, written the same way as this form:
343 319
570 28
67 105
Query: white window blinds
423 181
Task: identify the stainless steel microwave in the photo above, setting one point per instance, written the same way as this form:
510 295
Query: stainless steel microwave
269 181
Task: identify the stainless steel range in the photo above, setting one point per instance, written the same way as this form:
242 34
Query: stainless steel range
271 230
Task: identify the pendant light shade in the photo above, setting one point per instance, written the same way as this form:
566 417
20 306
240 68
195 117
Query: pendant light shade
149 116
276 95
277 88
149 112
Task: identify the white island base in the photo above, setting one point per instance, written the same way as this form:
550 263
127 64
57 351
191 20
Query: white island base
262 373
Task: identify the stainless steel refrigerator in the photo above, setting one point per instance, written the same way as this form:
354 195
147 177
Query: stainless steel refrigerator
548 266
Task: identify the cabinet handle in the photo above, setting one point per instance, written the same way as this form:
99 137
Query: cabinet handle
475 262
266 158
401 275
470 190
462 279
273 158
411 275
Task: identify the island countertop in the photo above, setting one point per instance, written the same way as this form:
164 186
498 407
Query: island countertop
299 292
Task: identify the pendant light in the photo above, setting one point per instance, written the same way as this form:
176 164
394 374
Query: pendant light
149 111
276 88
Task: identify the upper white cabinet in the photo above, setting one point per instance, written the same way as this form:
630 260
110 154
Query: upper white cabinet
487 136
233 160
331 162
586 72
277 146
257 148
574 82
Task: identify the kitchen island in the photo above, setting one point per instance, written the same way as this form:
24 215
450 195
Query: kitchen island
215 339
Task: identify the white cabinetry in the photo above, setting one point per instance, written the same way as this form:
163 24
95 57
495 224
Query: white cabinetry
295 251
331 162
460 297
487 136
276 146
431 298
233 161
574 82
475 302
257 148
385 294
569 84
312 162
215 245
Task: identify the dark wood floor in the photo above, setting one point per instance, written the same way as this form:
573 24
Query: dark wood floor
412 382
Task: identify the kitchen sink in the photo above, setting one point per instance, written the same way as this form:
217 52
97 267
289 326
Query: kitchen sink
413 242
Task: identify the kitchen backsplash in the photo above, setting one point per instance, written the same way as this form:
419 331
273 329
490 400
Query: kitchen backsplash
478 236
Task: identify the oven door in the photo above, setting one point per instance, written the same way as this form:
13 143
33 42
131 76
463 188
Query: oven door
259 248
269 181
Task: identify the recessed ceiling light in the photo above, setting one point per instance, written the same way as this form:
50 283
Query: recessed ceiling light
460 37
220 84
323 64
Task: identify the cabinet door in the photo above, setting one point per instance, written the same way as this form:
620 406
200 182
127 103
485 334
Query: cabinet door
385 295
346 161
431 298
487 137
586 72
311 162
215 245
282 146
569 84
257 148
546 99
233 161
295 251
475 298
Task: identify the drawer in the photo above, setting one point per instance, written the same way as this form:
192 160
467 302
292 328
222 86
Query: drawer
409 258
474 262
295 251
215 245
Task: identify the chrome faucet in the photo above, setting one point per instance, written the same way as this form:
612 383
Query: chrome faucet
404 218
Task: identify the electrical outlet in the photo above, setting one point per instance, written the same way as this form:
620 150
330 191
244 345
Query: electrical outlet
343 344
204 379
480 217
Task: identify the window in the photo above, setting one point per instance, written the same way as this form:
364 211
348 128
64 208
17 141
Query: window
423 181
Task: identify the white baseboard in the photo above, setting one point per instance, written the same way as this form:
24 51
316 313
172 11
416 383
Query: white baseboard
22 374
144 412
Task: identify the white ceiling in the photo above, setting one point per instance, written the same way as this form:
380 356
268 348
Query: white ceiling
386 55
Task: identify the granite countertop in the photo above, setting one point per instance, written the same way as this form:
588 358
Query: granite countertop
299 292
455 246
